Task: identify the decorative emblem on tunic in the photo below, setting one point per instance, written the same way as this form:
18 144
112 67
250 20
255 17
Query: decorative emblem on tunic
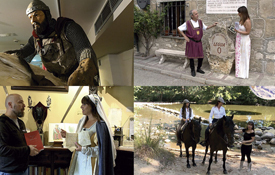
198 32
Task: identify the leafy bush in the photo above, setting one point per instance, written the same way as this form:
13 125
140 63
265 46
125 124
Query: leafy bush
149 142
147 24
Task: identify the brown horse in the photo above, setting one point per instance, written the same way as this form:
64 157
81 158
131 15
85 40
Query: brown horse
220 138
190 137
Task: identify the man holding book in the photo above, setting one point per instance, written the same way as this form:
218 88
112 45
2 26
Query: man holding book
14 151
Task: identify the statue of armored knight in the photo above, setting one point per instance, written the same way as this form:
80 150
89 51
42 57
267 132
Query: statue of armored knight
63 46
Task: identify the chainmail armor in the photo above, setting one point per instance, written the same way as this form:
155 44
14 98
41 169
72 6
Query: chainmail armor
80 42
75 35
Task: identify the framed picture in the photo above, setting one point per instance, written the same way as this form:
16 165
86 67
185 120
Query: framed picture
42 88
55 130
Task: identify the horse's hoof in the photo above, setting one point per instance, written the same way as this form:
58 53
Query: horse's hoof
208 173
188 166
215 161
224 172
194 164
180 155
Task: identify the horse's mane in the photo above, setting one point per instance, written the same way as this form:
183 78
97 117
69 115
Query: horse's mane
219 124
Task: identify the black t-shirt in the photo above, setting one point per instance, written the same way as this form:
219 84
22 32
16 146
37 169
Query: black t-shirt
247 136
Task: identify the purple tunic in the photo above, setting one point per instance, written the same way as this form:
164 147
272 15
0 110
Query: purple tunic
194 49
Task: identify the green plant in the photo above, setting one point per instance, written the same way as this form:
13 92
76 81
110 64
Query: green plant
148 142
148 24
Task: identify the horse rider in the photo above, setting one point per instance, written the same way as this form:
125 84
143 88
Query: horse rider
218 111
186 115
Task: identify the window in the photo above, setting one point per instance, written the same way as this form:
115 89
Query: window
107 11
175 16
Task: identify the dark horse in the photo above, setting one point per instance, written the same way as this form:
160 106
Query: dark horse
190 137
221 136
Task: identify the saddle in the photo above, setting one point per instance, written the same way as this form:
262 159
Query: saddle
183 126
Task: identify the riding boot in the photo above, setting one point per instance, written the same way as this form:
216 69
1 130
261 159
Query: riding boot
203 143
178 135
249 167
241 165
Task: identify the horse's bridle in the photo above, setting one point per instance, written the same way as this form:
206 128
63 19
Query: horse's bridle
226 142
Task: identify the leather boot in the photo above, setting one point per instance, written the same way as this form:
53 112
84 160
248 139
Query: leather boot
193 73
241 165
203 143
249 167
200 71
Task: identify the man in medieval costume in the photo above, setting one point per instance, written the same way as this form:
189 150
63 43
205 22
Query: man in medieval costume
194 32
63 46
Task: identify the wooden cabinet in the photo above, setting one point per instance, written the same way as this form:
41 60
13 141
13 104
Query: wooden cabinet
52 157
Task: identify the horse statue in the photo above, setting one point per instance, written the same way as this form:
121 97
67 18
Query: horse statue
190 137
220 137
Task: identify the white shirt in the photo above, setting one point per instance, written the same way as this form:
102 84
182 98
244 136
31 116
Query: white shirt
195 25
187 114
217 113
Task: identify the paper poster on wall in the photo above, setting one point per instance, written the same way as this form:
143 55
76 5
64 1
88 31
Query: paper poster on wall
70 127
224 6
55 130
114 116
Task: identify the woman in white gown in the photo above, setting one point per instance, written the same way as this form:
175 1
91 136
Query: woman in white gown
97 158
243 44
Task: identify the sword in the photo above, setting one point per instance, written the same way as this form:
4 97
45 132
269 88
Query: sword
75 96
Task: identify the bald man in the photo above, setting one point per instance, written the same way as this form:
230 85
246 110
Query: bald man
14 151
194 31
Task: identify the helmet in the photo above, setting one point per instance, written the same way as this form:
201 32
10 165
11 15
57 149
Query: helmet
36 5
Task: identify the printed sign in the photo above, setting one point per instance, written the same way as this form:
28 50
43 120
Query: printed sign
219 45
224 6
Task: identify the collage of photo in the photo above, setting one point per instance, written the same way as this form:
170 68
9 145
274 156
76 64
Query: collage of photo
134 87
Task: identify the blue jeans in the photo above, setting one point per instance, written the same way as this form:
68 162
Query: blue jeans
20 173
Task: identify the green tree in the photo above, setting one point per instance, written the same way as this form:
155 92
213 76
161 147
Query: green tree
240 95
147 24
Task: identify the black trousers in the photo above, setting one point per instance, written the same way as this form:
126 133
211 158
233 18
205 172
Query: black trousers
246 151
192 63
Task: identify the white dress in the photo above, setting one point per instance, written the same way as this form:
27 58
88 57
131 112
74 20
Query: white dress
83 163
242 54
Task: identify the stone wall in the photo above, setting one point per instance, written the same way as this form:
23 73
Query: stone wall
262 14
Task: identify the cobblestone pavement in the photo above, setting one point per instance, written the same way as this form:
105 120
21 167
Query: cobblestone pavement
173 69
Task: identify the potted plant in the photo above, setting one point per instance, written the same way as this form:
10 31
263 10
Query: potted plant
174 32
167 29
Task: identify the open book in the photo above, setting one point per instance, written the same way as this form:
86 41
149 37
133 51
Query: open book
82 138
